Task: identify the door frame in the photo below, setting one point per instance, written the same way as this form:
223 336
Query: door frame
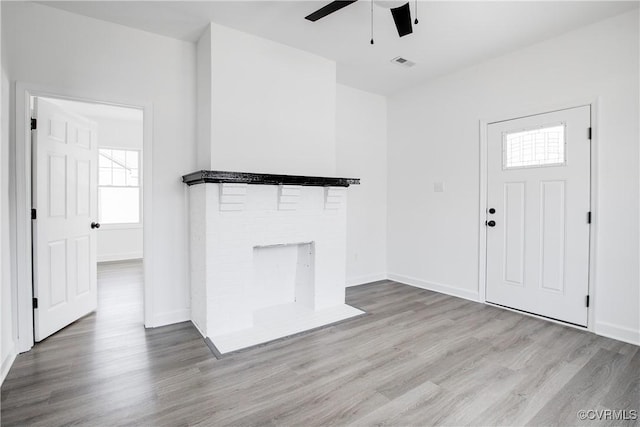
482 205
23 159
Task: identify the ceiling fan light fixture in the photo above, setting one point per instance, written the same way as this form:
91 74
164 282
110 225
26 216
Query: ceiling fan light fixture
401 14
388 4
402 19
328 9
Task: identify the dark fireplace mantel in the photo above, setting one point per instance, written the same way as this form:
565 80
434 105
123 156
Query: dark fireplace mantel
201 177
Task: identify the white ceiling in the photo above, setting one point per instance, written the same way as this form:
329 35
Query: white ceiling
451 35
99 111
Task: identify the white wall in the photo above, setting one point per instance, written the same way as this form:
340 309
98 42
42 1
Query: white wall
272 106
119 242
203 98
109 62
434 136
361 144
116 133
7 345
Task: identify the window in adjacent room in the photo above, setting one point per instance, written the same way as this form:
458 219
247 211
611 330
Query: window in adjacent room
119 195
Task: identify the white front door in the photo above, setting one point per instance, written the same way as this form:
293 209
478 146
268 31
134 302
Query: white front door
538 206
65 155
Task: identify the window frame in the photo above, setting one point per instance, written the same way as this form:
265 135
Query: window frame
122 225
565 162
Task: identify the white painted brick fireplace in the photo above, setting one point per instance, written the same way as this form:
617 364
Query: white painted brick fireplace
267 261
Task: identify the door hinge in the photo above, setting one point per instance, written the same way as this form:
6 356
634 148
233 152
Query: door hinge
33 214
587 300
589 217
34 123
589 133
35 303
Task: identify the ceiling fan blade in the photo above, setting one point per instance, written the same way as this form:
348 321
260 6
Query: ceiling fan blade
402 18
329 9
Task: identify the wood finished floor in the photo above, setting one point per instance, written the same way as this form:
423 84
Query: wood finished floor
418 358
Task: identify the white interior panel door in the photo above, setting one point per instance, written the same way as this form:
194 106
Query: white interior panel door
65 156
538 214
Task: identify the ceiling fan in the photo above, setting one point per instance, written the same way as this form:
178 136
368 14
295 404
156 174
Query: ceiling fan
401 14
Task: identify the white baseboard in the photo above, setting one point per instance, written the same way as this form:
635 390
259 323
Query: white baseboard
437 287
368 278
617 332
195 325
7 363
119 257
171 317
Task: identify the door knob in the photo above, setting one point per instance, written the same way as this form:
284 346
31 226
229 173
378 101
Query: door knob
95 225
491 223
492 210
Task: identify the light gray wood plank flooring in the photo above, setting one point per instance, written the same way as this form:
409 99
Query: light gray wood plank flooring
418 358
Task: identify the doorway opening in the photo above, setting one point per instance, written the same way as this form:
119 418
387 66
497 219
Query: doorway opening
87 228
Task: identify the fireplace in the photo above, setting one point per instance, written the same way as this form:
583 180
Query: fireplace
267 256
283 274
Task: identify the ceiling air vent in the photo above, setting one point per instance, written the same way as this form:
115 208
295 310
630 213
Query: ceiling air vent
403 62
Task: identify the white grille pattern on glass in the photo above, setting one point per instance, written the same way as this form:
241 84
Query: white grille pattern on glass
536 147
118 168
119 186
